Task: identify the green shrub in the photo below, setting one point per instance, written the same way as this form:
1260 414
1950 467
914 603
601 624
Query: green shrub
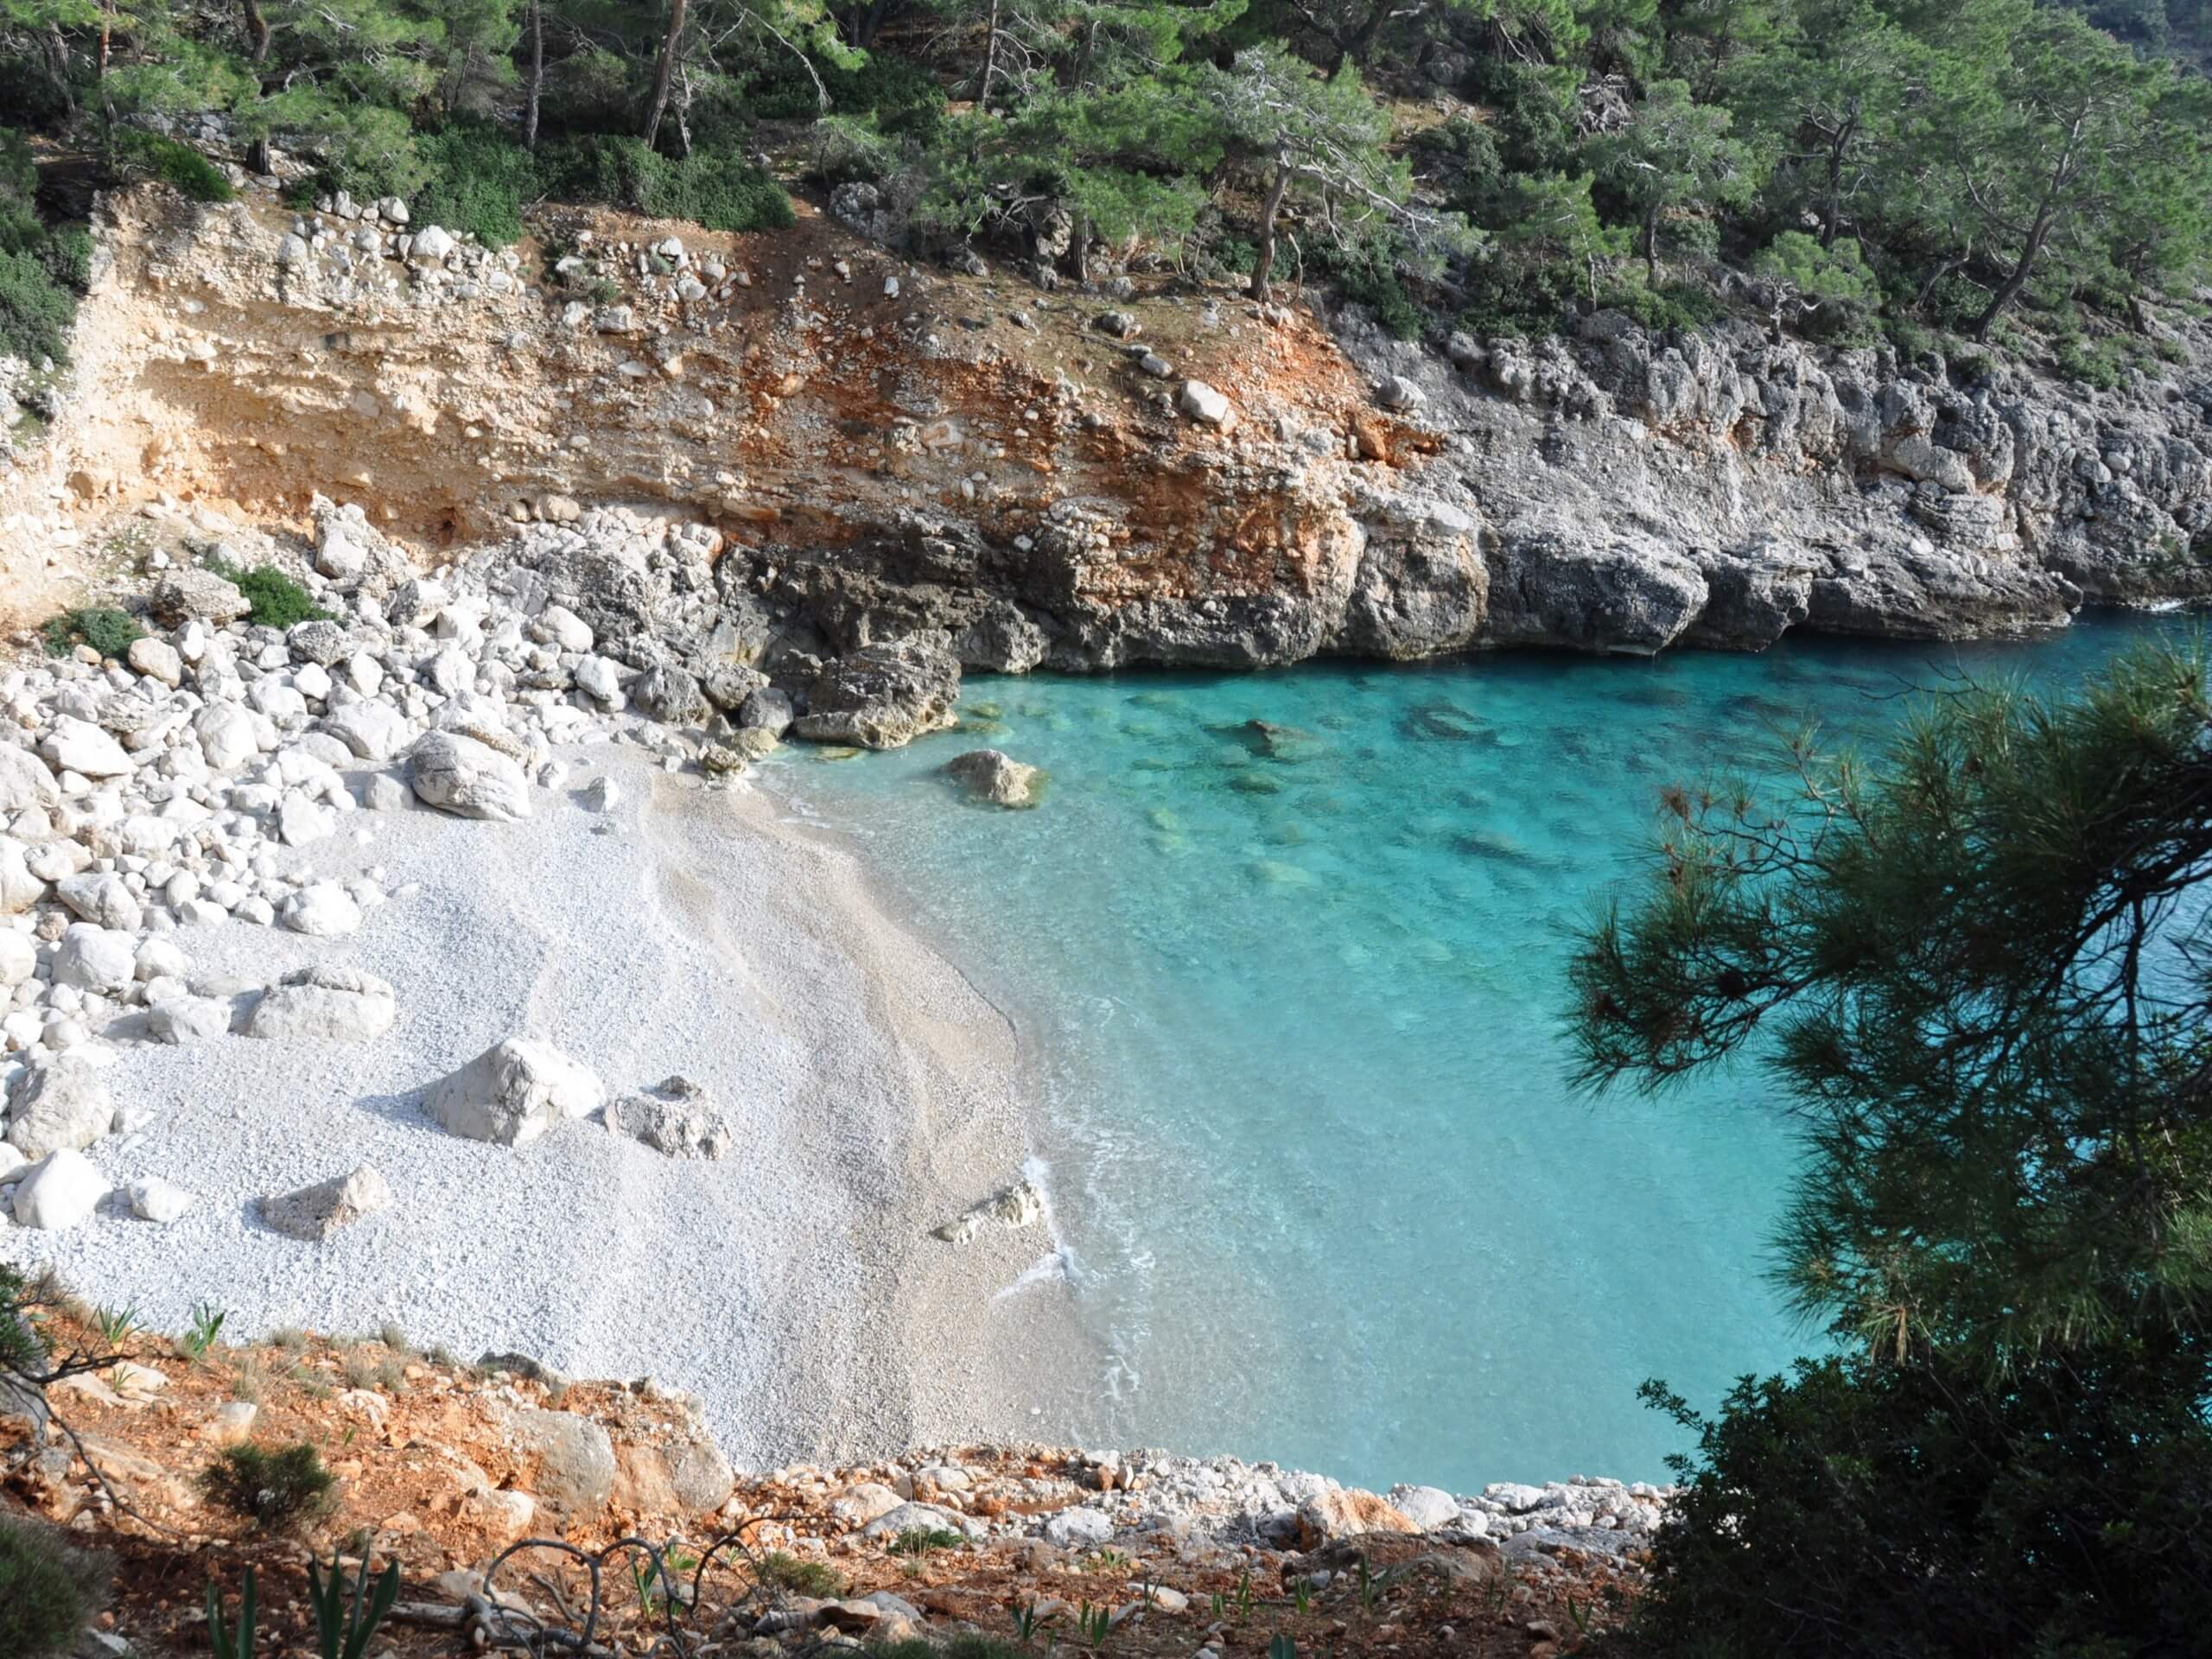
107 630
36 312
716 188
478 180
138 153
47 1591
2089 363
277 1489
920 1541
1671 305
784 1572
1934 1508
1367 271
278 601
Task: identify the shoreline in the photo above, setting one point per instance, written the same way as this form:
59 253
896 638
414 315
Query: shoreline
873 1095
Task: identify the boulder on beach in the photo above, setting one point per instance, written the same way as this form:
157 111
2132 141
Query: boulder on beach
467 778
61 1191
58 1103
512 1093
676 1117
325 1003
998 779
314 1213
884 697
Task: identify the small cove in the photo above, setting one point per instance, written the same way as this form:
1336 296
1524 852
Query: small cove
1294 1000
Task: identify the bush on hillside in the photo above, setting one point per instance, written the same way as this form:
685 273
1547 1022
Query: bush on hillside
49 1591
478 181
276 1489
36 311
1937 1508
716 188
278 601
140 155
107 630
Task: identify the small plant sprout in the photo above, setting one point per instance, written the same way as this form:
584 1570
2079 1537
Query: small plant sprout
206 1329
345 1622
1282 1645
1095 1623
1301 1595
920 1541
232 1641
1027 1624
116 1325
1244 1596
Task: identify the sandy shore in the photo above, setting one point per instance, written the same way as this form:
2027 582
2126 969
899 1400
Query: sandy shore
793 1284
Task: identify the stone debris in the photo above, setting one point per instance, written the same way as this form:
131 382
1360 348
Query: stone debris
314 1213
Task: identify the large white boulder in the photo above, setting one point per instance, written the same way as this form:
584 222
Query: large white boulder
513 1092
59 1104
372 730
25 780
463 776
325 1003
95 958
78 746
184 1020
62 1192
19 887
101 898
18 958
1204 404
229 737
155 1199
324 911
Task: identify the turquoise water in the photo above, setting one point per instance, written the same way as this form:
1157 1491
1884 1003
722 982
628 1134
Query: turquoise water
1325 1194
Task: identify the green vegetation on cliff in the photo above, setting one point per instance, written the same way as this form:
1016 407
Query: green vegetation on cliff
1977 167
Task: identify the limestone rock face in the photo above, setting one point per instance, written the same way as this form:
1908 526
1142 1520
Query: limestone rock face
575 1458
884 697
512 1093
314 1213
996 777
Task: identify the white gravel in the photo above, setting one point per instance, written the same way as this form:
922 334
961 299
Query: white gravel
873 1093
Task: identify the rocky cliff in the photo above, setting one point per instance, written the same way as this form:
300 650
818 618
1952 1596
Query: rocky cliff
1168 475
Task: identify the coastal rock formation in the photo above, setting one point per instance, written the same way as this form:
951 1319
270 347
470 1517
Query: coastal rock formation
816 484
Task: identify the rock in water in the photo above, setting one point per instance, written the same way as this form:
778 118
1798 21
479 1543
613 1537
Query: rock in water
467 778
314 1213
1016 1206
996 777
62 1192
325 1003
884 697
675 1118
512 1093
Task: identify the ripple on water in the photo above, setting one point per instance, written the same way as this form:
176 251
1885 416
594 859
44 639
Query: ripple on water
1317 1174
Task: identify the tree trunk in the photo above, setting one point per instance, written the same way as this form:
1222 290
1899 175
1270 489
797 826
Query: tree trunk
1263 266
57 53
1832 210
257 31
990 56
1651 248
257 157
665 70
1079 249
2009 289
866 24
536 74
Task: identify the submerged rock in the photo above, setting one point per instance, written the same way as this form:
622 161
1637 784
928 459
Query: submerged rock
997 777
1019 1205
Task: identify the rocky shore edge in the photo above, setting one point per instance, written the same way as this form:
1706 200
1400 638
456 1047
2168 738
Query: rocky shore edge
443 1467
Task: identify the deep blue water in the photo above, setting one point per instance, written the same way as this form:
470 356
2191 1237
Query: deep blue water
1328 1197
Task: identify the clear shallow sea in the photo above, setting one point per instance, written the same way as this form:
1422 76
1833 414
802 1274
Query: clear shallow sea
1325 1193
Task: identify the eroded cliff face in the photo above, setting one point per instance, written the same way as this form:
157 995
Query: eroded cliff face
874 449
